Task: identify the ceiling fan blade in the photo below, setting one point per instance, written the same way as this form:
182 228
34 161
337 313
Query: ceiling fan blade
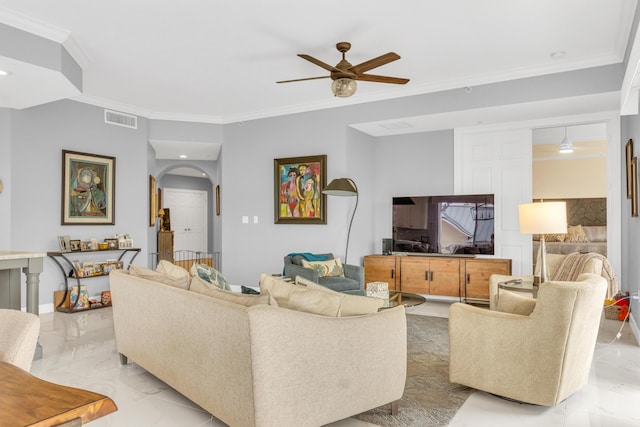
300 80
375 62
318 62
381 79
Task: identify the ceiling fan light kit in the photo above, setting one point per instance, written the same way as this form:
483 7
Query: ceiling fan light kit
566 146
344 87
344 75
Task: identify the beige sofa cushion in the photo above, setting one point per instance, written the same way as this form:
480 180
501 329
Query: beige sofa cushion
352 305
299 298
172 279
311 297
203 287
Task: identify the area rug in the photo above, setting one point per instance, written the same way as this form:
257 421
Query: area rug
429 398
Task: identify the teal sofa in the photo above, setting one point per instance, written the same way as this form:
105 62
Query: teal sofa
353 274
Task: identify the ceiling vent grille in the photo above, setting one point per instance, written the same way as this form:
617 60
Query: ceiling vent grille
120 119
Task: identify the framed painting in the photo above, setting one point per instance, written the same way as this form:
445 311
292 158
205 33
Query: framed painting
153 201
634 186
629 156
298 182
88 189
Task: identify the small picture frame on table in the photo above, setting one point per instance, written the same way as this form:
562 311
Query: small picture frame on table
65 243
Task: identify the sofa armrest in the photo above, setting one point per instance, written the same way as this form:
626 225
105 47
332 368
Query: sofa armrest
292 270
347 365
355 272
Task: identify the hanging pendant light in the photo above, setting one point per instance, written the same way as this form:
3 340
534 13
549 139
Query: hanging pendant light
566 146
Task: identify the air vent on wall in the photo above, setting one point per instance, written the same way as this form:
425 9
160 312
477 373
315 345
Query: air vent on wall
120 119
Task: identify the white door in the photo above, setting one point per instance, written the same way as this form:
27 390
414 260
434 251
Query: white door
188 210
499 162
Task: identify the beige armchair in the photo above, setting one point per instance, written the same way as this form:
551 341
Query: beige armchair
540 358
18 337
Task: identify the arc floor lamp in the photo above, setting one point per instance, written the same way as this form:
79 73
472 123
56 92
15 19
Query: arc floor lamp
347 188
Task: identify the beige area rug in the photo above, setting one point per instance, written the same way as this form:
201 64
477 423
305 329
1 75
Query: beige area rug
429 398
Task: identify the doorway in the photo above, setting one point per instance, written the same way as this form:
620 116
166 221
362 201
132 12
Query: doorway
188 218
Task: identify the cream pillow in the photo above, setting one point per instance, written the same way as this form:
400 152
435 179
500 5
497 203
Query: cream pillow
575 234
511 302
299 298
328 268
172 270
352 305
203 287
176 281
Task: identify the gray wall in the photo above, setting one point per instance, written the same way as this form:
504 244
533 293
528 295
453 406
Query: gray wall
630 225
245 170
5 176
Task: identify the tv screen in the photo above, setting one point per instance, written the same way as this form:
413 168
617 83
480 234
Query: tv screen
450 224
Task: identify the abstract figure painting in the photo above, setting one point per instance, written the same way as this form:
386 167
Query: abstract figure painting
298 184
88 189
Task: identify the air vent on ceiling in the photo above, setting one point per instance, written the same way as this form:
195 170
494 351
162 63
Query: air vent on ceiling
120 119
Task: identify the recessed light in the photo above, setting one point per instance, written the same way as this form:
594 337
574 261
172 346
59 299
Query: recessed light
4 73
204 174
558 54
183 156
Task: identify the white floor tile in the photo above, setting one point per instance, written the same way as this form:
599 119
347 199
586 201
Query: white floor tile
79 351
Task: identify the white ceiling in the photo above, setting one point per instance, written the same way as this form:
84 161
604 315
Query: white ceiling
218 61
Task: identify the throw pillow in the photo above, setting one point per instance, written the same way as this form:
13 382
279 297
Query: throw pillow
512 302
299 298
328 268
145 273
554 237
352 305
203 287
172 270
575 234
211 275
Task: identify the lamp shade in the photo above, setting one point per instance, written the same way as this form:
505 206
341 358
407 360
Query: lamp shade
341 187
543 217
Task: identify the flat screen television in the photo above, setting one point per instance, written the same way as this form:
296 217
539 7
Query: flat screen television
449 224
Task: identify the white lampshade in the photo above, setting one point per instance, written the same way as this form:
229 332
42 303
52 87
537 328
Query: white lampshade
543 218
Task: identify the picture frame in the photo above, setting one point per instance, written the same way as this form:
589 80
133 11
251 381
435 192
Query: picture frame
88 189
218 200
153 201
85 246
111 243
634 187
74 245
298 184
629 157
65 243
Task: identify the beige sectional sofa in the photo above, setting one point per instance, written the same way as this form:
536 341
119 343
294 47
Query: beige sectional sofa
259 365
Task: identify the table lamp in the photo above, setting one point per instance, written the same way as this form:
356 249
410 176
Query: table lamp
344 187
543 218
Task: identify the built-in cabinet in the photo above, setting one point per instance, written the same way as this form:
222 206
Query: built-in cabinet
464 278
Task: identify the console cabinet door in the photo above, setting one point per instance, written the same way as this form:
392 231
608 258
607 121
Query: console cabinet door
381 268
477 273
414 274
444 275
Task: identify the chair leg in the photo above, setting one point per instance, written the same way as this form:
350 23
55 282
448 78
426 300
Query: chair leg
394 407
123 359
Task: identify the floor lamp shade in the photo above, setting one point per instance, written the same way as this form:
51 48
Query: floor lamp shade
344 187
543 218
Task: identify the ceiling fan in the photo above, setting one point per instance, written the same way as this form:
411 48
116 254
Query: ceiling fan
344 75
